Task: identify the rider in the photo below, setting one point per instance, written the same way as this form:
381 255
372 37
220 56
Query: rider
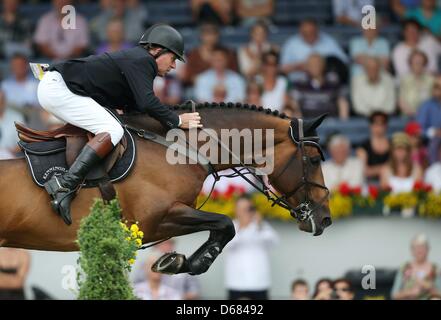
76 91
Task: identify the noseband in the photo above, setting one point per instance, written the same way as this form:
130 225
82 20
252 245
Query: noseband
305 209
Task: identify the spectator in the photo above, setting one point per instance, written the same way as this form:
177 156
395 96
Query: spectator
21 89
419 278
433 173
14 269
212 11
185 284
347 12
132 14
343 289
8 134
247 263
115 37
15 32
154 287
324 290
416 86
249 11
401 173
219 93
275 86
414 39
318 95
368 45
374 90
300 290
342 167
297 49
254 93
250 55
55 42
199 59
429 117
419 151
168 89
219 73
374 152
427 14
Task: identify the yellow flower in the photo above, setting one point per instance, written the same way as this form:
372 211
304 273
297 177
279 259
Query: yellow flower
138 242
140 234
134 228
131 261
128 238
124 226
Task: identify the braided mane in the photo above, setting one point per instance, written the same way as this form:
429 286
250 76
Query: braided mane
230 105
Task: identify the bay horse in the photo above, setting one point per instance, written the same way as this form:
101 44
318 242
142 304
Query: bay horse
162 196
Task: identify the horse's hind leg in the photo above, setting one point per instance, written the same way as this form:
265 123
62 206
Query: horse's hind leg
182 219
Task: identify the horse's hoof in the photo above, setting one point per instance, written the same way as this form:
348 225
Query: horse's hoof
170 263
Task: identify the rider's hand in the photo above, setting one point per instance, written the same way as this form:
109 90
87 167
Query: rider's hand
190 120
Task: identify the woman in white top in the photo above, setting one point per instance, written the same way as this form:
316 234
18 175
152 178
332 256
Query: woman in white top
250 55
275 86
401 173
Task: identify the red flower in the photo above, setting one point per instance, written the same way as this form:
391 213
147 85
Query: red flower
356 190
215 194
344 189
427 188
418 186
230 191
373 191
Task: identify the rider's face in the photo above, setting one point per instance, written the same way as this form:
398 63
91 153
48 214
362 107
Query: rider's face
166 62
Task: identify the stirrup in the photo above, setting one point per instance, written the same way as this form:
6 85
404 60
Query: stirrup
53 186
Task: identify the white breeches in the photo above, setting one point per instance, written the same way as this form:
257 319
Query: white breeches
84 112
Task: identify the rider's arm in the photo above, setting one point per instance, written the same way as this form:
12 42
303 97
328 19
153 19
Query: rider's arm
140 75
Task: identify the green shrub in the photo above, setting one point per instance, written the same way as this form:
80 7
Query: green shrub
106 253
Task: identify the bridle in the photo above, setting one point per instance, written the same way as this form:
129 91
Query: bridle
306 207
302 212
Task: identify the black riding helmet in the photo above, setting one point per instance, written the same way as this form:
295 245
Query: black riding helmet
165 36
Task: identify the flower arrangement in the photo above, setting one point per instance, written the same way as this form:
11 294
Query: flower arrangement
134 238
343 202
106 254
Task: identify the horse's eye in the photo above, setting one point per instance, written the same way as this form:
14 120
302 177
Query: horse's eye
316 161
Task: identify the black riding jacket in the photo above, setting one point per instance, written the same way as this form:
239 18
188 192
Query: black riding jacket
122 79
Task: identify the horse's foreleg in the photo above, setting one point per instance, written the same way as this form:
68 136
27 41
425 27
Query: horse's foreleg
183 219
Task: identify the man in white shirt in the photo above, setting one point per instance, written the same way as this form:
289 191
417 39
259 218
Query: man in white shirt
186 285
8 134
247 261
298 48
153 287
219 74
342 168
373 90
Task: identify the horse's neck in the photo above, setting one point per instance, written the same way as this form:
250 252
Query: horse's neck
272 131
218 120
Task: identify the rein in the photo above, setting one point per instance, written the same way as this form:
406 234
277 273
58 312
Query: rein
302 212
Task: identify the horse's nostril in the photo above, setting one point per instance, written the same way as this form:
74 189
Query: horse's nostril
326 222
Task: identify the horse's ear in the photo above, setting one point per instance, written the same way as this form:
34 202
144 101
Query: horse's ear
309 126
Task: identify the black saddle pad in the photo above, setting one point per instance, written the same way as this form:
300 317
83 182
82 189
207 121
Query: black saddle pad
48 158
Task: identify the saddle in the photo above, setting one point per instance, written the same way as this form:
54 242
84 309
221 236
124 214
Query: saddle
53 152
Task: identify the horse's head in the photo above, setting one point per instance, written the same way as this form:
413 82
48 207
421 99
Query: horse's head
299 177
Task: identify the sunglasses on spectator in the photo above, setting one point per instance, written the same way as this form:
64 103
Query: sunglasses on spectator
342 289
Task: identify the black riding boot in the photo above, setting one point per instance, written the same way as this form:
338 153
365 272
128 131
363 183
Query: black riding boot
63 188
